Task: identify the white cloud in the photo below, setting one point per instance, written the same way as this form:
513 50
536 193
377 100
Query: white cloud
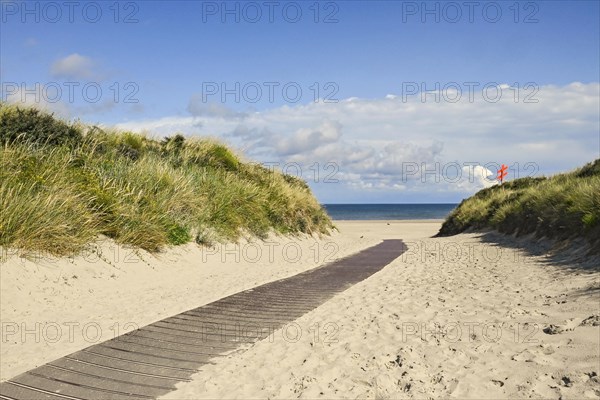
301 142
376 142
166 126
53 99
198 108
74 66
34 97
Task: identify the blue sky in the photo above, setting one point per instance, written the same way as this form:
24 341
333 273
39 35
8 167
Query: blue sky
168 56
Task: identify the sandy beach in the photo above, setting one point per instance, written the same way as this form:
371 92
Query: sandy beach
468 316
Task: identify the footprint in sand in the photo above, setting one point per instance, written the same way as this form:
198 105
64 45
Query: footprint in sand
568 325
535 355
525 355
553 329
593 320
546 349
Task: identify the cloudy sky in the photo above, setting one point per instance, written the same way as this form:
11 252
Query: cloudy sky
370 102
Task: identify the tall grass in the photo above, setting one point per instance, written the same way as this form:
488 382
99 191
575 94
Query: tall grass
58 195
560 207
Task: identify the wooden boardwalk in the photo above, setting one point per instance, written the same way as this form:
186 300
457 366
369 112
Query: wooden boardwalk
148 362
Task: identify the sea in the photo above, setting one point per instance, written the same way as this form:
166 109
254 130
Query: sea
388 211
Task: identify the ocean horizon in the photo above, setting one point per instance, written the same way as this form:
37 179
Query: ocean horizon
362 212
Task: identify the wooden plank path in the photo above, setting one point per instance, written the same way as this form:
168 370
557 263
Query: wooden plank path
148 362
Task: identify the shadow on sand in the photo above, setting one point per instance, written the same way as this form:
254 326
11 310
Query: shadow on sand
573 255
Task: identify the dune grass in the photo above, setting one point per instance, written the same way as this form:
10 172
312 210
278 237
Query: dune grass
62 185
562 207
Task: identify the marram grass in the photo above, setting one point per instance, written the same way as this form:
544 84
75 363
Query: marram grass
59 192
560 207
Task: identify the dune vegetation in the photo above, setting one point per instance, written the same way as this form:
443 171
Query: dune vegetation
64 184
561 207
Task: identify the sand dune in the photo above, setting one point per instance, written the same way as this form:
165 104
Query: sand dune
453 317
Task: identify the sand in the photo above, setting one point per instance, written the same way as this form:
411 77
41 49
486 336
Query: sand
470 316
52 307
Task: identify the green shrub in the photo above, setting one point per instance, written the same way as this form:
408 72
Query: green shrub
18 124
560 207
590 169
